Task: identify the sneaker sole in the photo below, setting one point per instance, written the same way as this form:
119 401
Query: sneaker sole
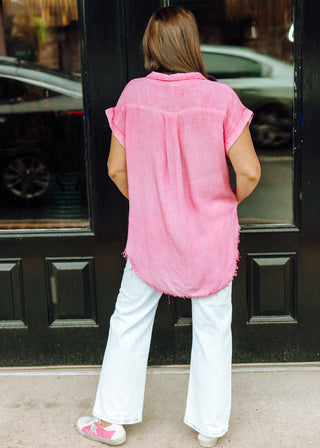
207 444
100 439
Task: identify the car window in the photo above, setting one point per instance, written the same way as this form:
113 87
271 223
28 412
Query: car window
14 91
230 66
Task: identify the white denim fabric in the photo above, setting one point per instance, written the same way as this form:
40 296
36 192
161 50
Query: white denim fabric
120 393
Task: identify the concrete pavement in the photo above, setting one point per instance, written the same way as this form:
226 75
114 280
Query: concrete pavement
274 405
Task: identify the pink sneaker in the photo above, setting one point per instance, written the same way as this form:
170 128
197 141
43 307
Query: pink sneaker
90 427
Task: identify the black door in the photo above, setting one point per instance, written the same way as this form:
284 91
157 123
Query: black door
61 261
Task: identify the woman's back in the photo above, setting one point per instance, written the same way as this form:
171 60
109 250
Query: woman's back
177 130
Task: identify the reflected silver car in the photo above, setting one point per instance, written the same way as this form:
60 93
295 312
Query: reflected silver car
263 83
40 127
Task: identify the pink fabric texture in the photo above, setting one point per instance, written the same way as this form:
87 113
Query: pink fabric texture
183 225
97 430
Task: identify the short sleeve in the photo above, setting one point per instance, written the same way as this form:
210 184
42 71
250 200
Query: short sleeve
237 117
116 118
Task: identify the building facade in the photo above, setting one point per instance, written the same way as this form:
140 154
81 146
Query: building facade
63 223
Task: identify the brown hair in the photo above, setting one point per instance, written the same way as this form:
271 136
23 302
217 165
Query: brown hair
171 42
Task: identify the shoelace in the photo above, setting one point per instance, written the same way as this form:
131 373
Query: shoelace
93 429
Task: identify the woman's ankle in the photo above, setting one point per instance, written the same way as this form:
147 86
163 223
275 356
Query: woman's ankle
105 424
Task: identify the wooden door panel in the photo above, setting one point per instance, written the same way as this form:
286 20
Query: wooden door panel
71 291
271 288
12 304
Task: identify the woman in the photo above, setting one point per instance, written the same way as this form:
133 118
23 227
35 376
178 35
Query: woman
171 133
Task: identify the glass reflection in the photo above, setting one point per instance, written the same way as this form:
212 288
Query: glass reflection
248 45
41 114
263 83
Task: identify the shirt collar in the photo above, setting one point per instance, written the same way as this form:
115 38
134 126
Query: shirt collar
175 76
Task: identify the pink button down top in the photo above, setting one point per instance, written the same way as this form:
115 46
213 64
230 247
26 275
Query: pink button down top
183 224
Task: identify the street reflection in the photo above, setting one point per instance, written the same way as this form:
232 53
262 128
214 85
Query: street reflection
264 84
42 169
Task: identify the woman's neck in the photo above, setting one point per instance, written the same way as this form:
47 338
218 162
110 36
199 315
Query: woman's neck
165 71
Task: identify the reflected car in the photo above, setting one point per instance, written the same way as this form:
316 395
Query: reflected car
41 130
263 83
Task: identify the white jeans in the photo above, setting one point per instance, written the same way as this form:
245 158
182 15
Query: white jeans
120 393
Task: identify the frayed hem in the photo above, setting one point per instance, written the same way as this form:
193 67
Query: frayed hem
118 421
235 273
175 296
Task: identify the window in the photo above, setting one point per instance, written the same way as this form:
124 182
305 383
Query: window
42 161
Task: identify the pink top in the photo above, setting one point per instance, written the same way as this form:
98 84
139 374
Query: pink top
183 224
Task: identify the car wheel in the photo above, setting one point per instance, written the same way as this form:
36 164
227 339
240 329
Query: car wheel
26 177
272 128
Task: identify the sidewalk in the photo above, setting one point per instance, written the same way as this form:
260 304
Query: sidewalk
274 406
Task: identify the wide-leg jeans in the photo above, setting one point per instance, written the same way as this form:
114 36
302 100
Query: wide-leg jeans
120 393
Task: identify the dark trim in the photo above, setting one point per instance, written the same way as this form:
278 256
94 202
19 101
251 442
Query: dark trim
86 103
270 228
297 108
107 61
310 114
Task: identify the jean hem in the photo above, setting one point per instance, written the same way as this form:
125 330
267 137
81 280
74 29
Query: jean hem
204 432
119 421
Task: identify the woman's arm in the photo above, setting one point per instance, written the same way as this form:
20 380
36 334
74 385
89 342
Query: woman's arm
117 167
245 164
